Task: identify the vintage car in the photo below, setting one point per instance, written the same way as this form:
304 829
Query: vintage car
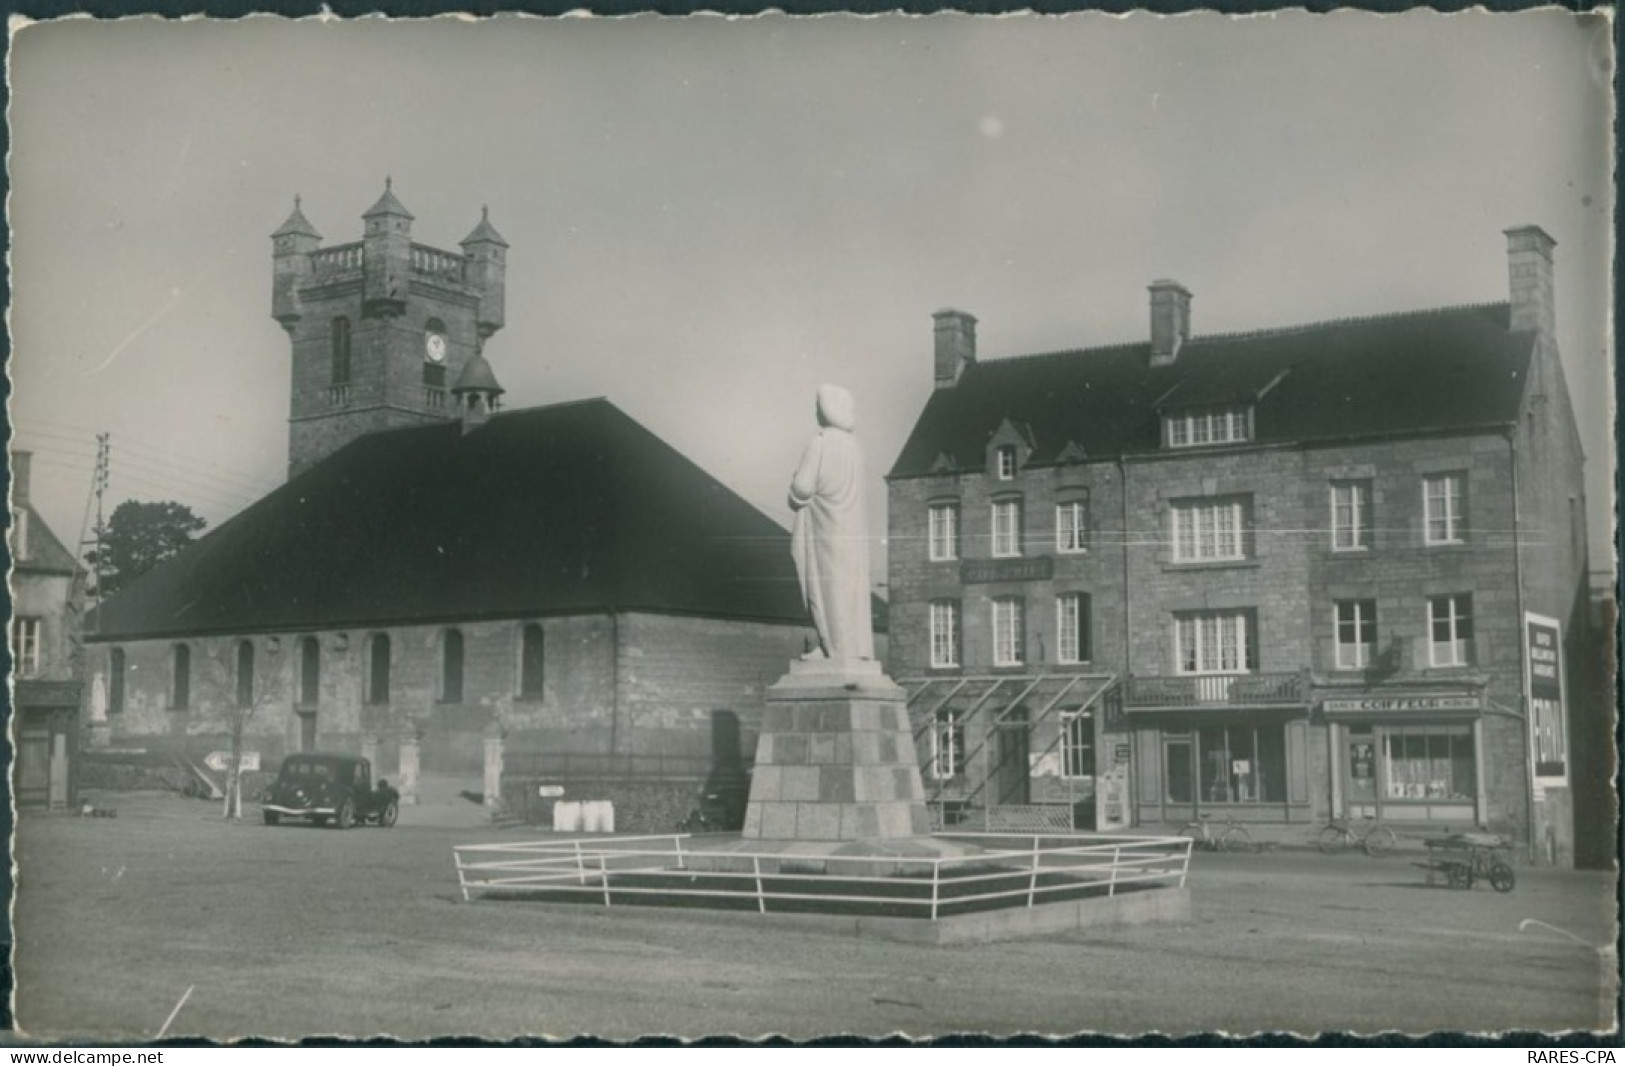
336 788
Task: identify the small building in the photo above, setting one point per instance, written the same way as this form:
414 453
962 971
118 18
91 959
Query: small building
439 573
44 632
1284 575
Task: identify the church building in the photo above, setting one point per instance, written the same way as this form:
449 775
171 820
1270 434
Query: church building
438 572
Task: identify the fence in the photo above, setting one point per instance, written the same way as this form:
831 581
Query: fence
1010 870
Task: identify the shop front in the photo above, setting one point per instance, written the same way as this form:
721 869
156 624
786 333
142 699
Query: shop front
1407 756
1251 765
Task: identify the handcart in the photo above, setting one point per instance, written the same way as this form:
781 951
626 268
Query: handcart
1462 859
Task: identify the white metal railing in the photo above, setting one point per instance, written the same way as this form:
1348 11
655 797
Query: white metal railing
1011 869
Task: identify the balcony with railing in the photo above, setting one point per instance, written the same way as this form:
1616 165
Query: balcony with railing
434 263
434 397
338 395
339 259
1215 691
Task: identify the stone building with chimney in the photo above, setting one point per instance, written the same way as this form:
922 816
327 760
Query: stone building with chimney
46 690
1325 570
439 574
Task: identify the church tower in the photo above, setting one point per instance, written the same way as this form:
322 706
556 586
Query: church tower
379 327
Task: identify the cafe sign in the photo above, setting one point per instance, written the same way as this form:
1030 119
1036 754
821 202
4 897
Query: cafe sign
1403 704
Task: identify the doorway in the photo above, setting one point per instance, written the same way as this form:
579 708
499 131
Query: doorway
1011 770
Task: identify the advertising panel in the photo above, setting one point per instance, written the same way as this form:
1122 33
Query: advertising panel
1548 732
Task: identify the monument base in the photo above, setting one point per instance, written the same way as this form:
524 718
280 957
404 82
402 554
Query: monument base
835 760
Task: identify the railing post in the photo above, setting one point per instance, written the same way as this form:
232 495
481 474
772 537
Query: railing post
603 872
936 881
681 865
761 903
581 868
1117 857
462 880
1185 868
1032 883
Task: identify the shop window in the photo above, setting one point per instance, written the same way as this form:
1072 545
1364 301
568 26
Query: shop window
25 645
1429 763
1072 628
1351 515
1242 764
1072 525
945 633
1450 626
1356 633
180 678
1210 530
115 681
451 666
1077 744
947 746
1006 528
532 662
1444 504
245 673
944 531
1009 637
310 672
378 668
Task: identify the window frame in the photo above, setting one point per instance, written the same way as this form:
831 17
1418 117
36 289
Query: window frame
942 544
939 611
1244 640
1005 462
1459 626
1207 426
1080 648
342 366
532 665
1074 723
1364 619
1358 530
27 640
1009 631
180 677
1454 518
379 694
452 688
947 739
116 666
244 662
1076 506
1186 528
308 692
1006 542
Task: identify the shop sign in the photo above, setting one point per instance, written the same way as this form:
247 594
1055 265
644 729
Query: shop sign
1548 734
1393 704
985 571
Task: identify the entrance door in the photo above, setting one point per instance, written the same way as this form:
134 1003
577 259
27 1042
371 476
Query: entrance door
1179 777
1360 773
33 767
1011 742
307 730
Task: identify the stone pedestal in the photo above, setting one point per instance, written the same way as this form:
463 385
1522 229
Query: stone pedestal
835 760
492 787
407 780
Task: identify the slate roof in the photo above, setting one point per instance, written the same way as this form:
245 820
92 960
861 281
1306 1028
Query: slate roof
1444 369
297 224
484 232
46 554
567 508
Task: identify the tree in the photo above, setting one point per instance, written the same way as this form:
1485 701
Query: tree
137 538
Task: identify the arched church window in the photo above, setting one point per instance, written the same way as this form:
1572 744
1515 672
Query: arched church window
341 351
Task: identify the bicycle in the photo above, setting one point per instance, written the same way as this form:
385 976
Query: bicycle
1337 836
1233 837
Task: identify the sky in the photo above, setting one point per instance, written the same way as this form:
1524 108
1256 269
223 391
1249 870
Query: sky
711 217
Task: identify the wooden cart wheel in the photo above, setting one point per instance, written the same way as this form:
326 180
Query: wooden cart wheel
1501 877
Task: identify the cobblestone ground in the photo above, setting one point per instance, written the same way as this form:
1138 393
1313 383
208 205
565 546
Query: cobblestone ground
292 931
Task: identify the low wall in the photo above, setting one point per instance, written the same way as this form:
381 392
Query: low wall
640 806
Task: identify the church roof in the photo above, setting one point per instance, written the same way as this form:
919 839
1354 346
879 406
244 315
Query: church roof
387 204
484 231
297 224
1442 369
477 374
568 508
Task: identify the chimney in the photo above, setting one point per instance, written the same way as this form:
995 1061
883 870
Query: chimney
956 345
21 462
1529 269
1170 320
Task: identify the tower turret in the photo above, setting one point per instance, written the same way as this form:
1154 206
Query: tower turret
487 253
386 243
477 393
291 246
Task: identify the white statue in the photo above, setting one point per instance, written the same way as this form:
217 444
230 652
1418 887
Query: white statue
830 540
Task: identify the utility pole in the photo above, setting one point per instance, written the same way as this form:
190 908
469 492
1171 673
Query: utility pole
98 488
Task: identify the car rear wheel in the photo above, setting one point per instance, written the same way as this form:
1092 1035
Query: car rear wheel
387 816
346 815
272 817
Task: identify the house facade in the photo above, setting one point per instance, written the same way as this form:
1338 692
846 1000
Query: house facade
438 574
1329 570
46 690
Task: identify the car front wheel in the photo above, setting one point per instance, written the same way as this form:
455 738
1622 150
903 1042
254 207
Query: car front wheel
387 816
346 816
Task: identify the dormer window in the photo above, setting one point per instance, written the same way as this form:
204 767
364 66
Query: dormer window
1213 425
1004 460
